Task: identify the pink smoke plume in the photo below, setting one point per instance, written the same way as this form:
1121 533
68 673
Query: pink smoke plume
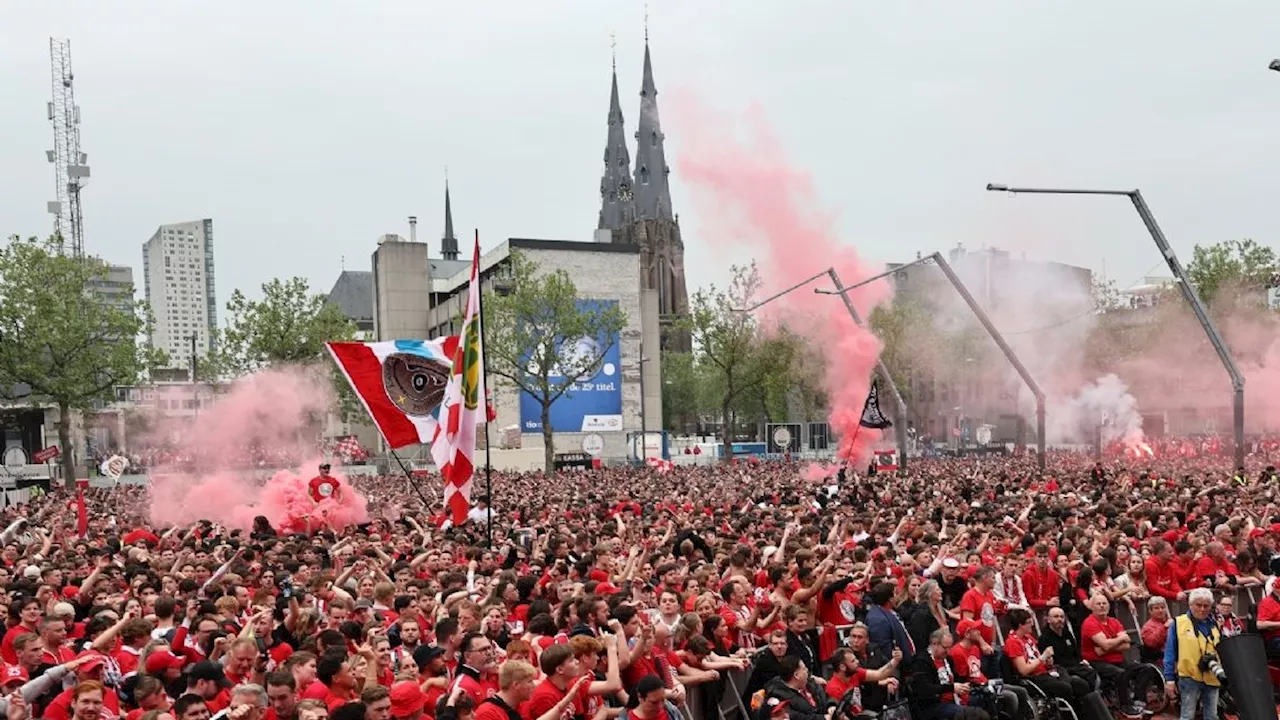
749 196
215 462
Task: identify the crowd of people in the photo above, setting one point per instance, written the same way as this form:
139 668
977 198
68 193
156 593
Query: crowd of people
625 592
142 458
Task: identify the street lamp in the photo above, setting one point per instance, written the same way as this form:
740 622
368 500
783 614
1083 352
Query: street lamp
644 419
1180 275
900 427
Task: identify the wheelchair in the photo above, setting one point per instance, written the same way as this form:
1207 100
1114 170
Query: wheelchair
1043 706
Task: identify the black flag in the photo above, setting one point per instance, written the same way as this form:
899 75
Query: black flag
871 415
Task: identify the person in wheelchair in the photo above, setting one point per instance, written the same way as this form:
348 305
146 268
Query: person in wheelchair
967 655
1036 667
794 695
1269 620
1104 642
1059 636
937 693
849 676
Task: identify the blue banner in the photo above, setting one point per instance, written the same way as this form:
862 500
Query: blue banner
593 404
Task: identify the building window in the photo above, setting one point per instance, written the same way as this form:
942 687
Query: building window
644 175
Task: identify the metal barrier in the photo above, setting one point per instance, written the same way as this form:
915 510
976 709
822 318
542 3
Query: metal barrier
731 704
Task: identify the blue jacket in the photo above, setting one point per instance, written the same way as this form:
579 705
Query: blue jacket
885 632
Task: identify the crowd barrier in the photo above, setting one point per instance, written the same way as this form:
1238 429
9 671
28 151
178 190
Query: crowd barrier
731 705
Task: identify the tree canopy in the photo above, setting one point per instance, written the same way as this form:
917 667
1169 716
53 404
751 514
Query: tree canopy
1241 266
533 325
744 367
288 326
67 335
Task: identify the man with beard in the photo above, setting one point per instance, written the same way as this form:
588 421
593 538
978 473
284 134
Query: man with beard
434 674
1066 651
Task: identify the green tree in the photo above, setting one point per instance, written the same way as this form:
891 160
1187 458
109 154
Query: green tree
1241 266
533 330
740 358
288 326
60 337
683 391
1104 294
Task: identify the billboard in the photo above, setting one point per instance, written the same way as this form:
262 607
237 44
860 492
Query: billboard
593 404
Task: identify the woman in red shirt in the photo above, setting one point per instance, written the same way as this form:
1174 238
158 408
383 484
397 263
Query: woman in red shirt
1029 662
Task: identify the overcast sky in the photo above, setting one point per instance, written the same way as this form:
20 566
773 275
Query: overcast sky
307 128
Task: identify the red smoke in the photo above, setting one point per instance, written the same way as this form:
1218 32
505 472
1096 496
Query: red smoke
272 416
748 196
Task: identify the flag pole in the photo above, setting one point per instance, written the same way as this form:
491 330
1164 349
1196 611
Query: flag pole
484 361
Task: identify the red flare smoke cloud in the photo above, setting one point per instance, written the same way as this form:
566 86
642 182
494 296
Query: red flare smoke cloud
749 196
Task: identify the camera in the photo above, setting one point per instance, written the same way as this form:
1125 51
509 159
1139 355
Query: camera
286 585
1209 663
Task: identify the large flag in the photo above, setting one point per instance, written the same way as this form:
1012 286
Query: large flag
871 415
401 383
454 445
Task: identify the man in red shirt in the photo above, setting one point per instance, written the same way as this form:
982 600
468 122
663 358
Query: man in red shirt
1214 570
1269 619
477 673
1040 581
1161 573
89 667
1103 643
564 679
979 605
849 676
324 486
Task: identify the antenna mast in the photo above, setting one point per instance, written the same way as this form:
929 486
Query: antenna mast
70 165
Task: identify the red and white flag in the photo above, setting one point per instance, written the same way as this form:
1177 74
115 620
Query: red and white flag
454 445
401 383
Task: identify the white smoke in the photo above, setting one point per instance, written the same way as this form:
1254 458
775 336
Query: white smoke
1107 402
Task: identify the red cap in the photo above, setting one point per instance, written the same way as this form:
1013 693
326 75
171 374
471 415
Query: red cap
406 699
15 673
1256 533
70 592
964 627
607 588
1275 529
158 662
96 660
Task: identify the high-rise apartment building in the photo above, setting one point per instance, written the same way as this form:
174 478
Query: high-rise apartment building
178 271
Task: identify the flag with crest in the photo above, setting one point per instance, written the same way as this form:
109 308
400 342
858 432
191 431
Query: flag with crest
454 446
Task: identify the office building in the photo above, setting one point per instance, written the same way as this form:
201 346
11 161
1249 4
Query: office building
179 279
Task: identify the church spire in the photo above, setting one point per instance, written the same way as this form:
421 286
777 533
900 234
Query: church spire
617 209
653 194
449 243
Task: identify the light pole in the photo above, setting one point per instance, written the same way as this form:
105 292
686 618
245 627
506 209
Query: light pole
1188 290
644 419
900 429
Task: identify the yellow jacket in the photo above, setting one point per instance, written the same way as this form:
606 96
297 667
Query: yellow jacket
1191 646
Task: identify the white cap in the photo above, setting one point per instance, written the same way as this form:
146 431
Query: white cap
951 563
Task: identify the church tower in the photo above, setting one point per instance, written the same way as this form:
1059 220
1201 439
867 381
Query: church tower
637 208
448 243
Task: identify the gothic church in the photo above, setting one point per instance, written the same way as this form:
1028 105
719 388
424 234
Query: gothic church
636 205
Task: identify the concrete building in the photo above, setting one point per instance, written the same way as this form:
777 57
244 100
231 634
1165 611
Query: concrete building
179 280
636 208
116 287
601 272
353 294
951 398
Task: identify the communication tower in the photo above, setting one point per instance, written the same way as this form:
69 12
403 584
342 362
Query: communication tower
70 165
